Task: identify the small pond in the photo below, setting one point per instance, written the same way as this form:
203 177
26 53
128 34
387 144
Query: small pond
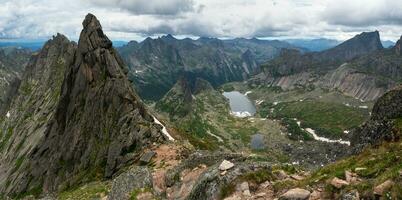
240 105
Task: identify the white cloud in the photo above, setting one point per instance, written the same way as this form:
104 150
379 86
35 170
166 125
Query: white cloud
136 19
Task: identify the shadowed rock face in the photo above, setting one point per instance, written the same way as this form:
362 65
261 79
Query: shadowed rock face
99 123
381 126
12 63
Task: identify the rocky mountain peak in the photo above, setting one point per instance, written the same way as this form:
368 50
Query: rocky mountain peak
92 36
95 122
361 44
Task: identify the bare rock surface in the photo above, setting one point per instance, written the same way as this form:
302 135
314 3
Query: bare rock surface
295 194
136 178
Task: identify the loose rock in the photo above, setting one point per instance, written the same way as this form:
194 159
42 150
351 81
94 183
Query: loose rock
147 157
225 165
124 184
383 187
338 183
280 174
295 194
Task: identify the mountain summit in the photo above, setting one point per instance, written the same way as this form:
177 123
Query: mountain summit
362 43
93 125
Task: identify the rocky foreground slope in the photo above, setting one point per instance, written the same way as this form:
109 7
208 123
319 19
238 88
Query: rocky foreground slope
176 171
75 117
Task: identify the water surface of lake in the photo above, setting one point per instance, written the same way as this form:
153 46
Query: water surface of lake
240 105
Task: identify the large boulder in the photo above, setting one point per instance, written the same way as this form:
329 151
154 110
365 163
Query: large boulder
130 182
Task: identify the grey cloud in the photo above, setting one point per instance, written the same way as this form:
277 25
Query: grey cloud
148 7
363 13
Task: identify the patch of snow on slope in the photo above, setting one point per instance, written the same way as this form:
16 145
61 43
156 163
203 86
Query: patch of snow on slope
8 114
215 136
258 102
164 130
241 114
323 139
248 92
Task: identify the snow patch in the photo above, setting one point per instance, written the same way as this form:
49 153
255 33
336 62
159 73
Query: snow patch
248 92
323 139
8 114
258 102
364 107
346 131
215 136
275 103
241 114
164 130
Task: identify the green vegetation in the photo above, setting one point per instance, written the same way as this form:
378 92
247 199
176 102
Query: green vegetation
258 176
4 139
25 88
18 163
227 88
94 190
196 132
328 119
374 166
134 194
227 190
294 131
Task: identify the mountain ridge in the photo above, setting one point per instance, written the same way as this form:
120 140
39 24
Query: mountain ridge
70 146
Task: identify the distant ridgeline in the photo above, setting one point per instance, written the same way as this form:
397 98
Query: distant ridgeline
359 67
156 64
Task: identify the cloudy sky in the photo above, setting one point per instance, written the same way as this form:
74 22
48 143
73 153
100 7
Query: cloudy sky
136 19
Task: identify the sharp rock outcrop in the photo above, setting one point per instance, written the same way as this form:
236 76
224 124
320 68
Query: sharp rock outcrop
92 126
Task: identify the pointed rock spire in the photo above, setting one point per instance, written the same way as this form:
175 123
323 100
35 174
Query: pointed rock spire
92 36
97 126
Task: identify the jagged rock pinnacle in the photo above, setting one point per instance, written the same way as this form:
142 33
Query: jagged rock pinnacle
92 36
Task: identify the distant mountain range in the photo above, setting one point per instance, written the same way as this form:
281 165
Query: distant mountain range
322 44
359 67
156 64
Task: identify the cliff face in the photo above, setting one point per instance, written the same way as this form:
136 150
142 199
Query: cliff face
30 111
12 63
90 124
